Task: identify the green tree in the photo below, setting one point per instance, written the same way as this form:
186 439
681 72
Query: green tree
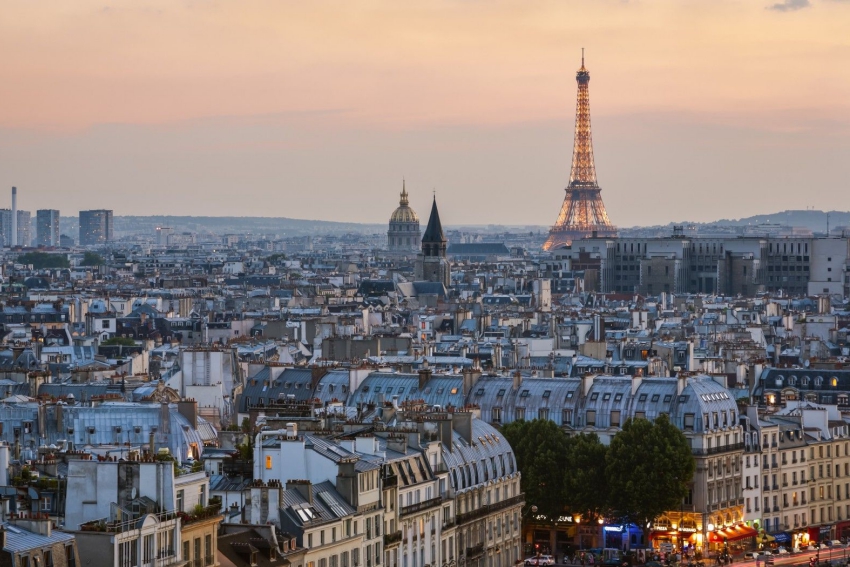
42 260
585 482
92 259
649 467
119 341
540 448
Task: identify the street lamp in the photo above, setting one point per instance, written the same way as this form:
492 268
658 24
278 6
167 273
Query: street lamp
533 510
705 546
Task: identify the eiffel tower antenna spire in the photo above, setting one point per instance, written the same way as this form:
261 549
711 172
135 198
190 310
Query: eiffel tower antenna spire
583 213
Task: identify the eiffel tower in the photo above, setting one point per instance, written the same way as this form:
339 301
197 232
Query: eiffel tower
583 213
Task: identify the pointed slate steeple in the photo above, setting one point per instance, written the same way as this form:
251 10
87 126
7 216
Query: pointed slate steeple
434 241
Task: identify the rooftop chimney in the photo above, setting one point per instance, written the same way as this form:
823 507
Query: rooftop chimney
304 487
188 408
424 375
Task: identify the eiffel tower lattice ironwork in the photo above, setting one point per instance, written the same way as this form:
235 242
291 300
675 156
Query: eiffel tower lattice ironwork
583 213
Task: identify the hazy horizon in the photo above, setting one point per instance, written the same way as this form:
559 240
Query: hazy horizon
701 111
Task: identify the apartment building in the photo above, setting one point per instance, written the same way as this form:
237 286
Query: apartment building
137 510
419 487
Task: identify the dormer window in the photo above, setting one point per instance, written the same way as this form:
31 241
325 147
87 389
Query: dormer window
524 394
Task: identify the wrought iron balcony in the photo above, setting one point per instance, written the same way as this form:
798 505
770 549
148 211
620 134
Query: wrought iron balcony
418 507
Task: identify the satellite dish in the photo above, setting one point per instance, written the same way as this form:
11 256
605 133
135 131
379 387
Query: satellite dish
133 493
806 363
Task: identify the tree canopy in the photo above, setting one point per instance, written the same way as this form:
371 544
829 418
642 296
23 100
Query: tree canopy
560 474
585 481
540 448
645 471
649 467
119 341
92 259
43 260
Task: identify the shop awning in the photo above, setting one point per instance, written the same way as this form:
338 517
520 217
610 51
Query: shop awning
731 534
782 537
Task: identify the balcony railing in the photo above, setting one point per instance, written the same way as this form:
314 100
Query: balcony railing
486 509
392 538
105 525
717 450
475 551
418 507
212 510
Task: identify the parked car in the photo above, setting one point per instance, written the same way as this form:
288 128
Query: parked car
750 555
811 547
824 546
536 560
781 551
836 543
766 553
796 550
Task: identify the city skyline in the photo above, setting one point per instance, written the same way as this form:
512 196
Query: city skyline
700 112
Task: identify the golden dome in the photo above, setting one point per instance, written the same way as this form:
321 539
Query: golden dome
404 213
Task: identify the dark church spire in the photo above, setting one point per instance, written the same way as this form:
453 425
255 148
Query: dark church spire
434 231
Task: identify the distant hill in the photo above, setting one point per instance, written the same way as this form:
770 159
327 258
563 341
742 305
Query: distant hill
811 219
814 220
280 226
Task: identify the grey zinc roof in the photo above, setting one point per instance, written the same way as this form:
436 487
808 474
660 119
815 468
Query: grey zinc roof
467 461
98 425
19 540
333 386
329 506
702 395
607 394
295 382
532 395
650 397
442 389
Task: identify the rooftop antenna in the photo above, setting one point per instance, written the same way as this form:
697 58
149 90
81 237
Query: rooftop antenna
582 57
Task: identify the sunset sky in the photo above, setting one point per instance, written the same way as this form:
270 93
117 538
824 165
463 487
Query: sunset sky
701 109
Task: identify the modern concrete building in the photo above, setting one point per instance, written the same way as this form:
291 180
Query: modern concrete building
95 227
47 227
22 228
744 265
